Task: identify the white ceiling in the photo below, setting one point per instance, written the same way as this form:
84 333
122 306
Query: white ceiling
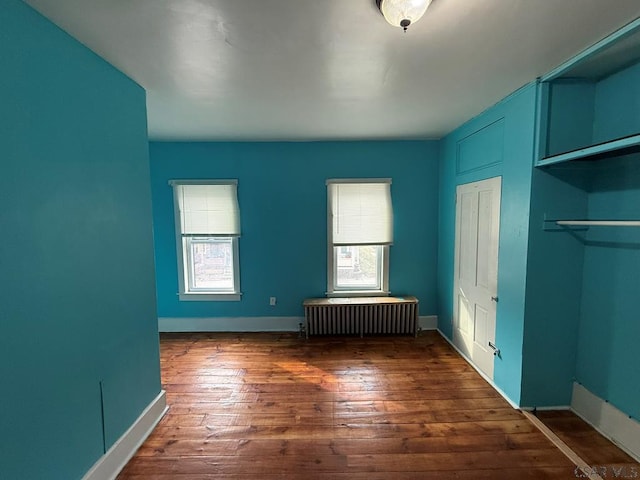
329 69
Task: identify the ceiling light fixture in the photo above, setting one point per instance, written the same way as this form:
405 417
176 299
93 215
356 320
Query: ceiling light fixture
402 13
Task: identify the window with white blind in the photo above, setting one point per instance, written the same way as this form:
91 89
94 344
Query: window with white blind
360 231
207 231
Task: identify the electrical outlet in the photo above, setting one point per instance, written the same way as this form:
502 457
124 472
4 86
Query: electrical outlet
272 301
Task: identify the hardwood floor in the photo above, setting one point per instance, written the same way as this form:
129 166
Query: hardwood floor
269 406
602 456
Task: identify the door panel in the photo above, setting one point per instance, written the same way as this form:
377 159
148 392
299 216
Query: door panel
476 270
485 209
467 242
480 334
466 318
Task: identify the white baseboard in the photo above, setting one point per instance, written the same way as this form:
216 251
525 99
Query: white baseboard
251 324
112 462
546 408
229 324
621 429
428 322
482 374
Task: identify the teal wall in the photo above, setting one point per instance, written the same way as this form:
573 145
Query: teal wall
582 286
283 210
77 297
554 287
584 112
607 362
617 105
499 142
570 122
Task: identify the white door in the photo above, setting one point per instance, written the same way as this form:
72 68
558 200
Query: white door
476 271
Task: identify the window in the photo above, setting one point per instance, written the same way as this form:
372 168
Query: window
207 231
360 233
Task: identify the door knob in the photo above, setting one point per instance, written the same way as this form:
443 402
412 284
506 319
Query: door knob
496 350
494 299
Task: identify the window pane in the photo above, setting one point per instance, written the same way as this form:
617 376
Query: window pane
358 267
211 262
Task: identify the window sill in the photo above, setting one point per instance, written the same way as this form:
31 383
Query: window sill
209 297
358 293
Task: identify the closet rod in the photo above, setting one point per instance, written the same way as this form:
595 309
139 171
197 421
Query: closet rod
600 223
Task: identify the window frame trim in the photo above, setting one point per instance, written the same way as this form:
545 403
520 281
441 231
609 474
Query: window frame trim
182 268
332 292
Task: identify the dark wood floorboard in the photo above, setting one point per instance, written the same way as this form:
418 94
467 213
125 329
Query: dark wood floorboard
602 455
274 406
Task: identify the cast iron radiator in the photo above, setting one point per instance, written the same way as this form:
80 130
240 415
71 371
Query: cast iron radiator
361 316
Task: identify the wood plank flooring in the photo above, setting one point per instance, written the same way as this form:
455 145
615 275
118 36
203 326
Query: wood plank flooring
601 455
274 406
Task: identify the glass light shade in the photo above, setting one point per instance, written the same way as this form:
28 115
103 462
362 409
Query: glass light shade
402 13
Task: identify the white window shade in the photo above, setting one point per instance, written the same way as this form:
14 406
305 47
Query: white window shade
208 209
361 212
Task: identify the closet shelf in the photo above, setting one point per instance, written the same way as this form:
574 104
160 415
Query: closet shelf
608 149
558 225
599 223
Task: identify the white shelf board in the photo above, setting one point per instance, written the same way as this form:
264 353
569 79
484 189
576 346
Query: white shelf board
599 223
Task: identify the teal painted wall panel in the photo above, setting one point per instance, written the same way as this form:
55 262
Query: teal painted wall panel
76 261
554 287
282 197
607 362
481 149
518 114
617 105
571 113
